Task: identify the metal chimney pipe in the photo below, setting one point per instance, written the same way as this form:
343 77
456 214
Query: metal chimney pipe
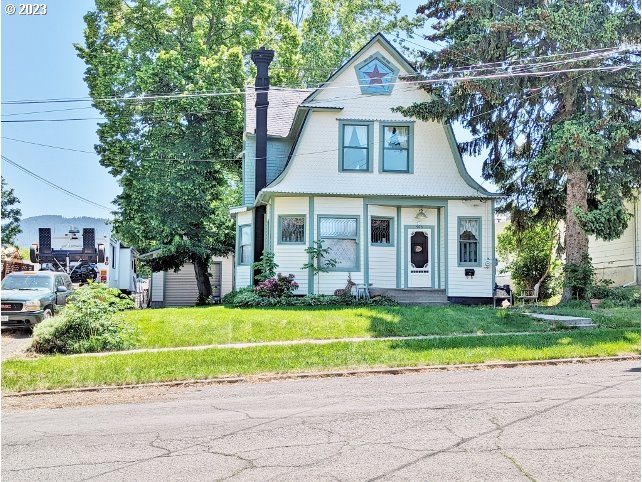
262 59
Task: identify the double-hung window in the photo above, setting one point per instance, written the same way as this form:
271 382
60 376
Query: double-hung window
292 229
469 236
355 151
380 231
340 235
245 244
396 148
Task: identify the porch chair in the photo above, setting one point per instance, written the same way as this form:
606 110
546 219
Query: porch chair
530 295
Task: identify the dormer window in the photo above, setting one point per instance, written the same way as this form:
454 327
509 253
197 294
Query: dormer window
355 152
396 147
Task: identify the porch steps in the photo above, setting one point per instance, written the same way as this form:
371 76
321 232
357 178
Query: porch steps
568 321
414 296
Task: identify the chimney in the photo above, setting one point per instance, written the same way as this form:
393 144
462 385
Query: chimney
262 59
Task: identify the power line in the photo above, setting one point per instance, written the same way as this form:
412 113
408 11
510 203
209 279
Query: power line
56 186
473 67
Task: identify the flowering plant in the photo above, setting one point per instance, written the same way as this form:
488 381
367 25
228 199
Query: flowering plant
278 287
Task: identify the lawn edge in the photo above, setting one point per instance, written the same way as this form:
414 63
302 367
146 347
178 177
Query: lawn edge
332 374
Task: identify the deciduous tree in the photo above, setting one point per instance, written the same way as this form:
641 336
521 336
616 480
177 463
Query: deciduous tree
10 216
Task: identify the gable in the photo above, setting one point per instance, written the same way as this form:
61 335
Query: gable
364 92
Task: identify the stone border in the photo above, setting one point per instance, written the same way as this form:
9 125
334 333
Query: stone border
332 374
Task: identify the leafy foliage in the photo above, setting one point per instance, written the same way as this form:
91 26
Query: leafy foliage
579 278
279 287
10 216
266 266
247 298
530 257
87 323
319 262
559 146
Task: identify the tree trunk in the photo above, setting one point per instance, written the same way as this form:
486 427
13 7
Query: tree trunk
202 279
575 239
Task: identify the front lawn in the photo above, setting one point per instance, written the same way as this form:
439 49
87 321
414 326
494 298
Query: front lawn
171 327
118 369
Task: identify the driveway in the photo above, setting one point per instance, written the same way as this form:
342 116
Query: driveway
548 423
14 343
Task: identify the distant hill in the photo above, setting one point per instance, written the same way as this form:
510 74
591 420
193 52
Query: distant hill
59 226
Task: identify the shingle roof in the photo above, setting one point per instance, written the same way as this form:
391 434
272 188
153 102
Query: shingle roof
283 105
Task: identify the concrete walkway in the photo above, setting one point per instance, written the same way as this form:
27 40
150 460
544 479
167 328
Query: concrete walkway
308 342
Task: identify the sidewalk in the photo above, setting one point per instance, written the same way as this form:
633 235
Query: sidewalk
327 341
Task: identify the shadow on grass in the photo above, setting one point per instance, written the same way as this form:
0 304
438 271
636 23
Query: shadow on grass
516 343
450 320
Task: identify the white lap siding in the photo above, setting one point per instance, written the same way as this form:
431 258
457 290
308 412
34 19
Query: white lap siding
382 260
340 206
243 272
481 284
290 257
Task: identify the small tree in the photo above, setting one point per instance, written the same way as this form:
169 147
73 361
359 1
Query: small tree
10 216
531 256
319 263
266 267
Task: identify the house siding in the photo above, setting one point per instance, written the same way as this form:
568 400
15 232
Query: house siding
290 258
382 259
479 285
277 156
619 259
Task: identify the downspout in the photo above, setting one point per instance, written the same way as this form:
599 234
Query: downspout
262 59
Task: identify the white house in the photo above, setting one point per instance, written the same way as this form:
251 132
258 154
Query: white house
389 195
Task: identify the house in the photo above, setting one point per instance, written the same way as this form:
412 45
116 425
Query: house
178 288
388 195
619 259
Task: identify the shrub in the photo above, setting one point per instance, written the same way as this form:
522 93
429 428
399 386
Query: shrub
277 287
248 299
87 323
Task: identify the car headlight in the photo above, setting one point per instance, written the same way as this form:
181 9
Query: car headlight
33 305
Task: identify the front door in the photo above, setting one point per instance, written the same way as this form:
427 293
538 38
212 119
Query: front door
419 275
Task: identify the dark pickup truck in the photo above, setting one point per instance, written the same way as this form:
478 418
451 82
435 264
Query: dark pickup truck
28 297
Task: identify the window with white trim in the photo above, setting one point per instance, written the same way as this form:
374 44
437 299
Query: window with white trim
245 244
469 235
340 235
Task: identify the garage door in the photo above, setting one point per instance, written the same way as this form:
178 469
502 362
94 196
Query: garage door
180 288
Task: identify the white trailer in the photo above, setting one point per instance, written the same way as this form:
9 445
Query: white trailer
119 269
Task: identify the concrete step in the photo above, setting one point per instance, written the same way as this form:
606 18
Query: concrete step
568 321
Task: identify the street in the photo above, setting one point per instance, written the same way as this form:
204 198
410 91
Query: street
548 423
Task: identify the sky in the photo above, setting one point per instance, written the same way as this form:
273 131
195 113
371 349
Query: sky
38 61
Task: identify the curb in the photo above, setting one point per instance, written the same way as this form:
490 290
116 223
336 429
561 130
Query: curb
332 374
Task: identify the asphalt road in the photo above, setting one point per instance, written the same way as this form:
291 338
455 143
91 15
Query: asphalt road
556 423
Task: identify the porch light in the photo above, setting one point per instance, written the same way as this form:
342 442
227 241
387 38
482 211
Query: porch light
420 216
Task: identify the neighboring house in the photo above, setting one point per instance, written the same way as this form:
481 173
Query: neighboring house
619 260
170 288
389 196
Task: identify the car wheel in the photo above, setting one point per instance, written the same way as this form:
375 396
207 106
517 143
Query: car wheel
48 313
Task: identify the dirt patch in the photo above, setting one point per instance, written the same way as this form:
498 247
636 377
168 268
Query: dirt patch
15 343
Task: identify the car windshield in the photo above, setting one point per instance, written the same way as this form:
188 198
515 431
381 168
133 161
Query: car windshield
26 283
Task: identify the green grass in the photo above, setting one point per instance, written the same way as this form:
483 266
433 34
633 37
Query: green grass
604 317
63 371
170 327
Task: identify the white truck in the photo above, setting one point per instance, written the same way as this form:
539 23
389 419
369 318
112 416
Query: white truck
86 257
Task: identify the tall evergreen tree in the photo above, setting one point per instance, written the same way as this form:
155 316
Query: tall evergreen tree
562 145
10 216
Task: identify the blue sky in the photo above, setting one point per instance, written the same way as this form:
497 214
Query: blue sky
39 62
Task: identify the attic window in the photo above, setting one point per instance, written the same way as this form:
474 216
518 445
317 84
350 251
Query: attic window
356 146
396 148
